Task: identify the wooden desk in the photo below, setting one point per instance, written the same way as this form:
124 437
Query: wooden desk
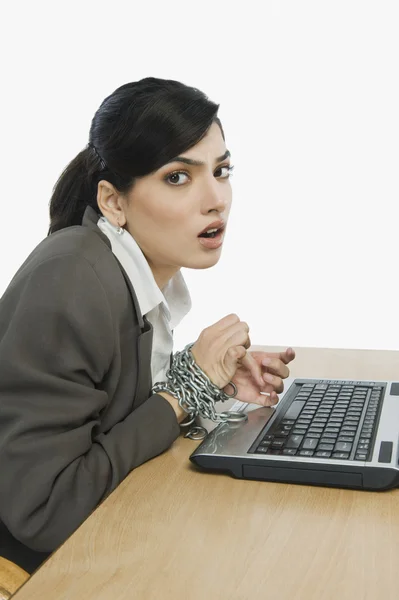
172 532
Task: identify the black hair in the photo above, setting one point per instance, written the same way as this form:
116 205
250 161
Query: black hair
136 130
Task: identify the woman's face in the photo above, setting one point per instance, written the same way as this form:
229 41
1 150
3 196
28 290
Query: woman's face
166 210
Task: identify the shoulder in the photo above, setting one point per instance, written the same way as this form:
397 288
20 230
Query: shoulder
79 246
75 262
80 242
76 258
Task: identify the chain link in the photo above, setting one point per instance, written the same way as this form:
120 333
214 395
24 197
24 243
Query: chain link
192 387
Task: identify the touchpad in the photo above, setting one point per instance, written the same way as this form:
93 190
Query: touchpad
395 389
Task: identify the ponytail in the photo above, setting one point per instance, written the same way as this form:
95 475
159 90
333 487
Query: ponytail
71 194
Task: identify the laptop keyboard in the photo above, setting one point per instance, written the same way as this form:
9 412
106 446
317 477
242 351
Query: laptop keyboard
326 421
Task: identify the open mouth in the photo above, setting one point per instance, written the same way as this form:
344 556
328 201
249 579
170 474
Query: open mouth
213 233
212 239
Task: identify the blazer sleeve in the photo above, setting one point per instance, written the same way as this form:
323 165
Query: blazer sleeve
56 346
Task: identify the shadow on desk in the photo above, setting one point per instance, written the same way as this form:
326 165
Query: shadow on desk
16 552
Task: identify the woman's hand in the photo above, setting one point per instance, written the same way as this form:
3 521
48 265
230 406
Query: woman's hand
221 347
261 372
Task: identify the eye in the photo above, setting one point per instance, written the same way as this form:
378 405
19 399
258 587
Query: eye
175 175
229 171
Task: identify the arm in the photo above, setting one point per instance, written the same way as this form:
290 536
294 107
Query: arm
56 346
180 413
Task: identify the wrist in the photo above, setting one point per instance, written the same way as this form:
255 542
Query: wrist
179 412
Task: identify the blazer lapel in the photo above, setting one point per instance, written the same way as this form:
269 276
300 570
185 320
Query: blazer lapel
145 339
144 346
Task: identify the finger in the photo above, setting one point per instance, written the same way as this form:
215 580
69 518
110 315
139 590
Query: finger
290 352
276 366
236 336
275 381
253 367
226 322
270 400
247 343
286 357
267 388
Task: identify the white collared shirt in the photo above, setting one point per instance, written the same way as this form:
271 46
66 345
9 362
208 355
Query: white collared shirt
164 309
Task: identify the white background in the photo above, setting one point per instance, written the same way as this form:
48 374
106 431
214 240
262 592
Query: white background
309 99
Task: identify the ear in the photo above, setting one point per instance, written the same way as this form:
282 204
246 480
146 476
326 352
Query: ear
110 203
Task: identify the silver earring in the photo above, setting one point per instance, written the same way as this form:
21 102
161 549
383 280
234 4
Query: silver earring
120 229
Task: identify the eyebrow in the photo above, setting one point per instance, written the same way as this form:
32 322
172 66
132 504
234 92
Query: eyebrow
197 163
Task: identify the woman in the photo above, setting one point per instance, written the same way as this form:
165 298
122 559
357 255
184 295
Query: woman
86 323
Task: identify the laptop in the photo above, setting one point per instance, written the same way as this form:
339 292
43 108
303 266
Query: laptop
338 433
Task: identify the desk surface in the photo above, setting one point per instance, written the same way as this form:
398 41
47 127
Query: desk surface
172 532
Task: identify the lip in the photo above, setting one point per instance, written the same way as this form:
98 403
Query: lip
212 243
215 225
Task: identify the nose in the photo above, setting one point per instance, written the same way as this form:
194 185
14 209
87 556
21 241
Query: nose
216 196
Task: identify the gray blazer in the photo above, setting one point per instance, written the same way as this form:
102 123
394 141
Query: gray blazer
76 409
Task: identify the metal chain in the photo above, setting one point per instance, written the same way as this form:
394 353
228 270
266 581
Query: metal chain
192 387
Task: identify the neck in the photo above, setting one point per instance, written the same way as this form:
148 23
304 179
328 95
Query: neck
163 275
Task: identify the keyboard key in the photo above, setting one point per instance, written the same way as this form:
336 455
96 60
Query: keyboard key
309 443
289 451
294 441
323 454
360 456
343 447
277 444
294 410
364 445
282 433
340 455
305 452
329 447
